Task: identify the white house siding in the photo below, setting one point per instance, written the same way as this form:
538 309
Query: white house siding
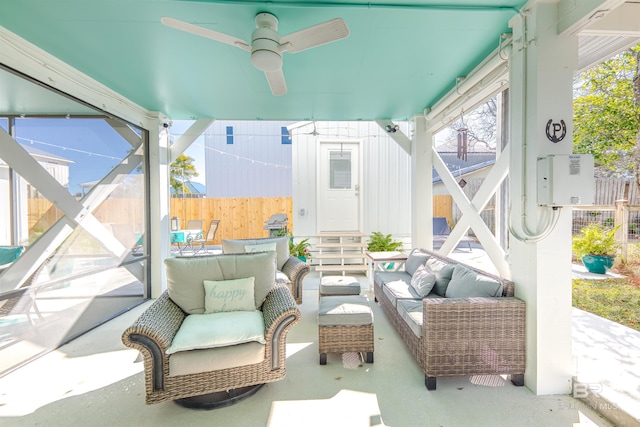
385 184
257 164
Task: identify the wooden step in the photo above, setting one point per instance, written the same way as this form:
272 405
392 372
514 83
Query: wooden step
340 245
337 267
338 235
336 255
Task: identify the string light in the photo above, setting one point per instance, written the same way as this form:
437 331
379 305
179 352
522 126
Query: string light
237 157
75 150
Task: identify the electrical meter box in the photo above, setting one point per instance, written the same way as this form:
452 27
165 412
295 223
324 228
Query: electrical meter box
565 180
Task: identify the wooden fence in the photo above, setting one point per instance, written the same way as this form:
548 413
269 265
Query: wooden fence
244 217
239 217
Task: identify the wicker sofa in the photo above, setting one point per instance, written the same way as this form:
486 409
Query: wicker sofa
468 323
210 374
291 270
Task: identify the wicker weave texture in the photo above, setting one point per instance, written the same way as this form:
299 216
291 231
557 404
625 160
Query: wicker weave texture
341 339
296 270
466 336
163 318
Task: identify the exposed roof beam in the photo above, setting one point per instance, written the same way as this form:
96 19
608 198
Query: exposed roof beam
403 140
623 21
195 130
124 131
574 16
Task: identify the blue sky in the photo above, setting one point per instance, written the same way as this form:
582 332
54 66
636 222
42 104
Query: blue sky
92 145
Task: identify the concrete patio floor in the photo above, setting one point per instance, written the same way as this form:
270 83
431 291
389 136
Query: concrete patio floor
96 381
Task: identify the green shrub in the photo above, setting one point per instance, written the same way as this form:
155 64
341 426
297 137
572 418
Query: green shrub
595 240
378 242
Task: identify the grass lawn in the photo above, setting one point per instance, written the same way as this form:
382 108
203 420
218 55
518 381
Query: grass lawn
614 299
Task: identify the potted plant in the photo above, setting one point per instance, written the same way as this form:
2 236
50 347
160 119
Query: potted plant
300 249
379 242
596 247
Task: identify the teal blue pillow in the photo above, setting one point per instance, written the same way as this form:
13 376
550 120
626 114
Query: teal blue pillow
415 259
8 254
467 283
443 272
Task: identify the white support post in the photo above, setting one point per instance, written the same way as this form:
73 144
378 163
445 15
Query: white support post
421 185
541 78
159 160
400 138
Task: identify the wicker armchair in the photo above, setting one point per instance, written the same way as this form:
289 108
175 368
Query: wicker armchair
153 332
293 270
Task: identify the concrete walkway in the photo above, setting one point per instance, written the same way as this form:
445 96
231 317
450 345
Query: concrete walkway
606 354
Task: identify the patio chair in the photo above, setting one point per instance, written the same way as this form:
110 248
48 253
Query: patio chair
194 224
441 231
209 237
22 301
214 369
8 254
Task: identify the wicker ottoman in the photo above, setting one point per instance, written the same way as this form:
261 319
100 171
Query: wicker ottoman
345 324
339 285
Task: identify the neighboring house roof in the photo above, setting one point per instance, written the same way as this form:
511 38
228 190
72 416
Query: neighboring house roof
459 167
43 155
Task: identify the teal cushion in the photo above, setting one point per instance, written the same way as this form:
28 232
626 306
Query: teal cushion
8 254
200 331
240 246
186 275
415 259
443 272
343 310
265 247
466 283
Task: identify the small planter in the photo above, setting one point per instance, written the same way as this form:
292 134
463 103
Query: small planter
597 263
302 258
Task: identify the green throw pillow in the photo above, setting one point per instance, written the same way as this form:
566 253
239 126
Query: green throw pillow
229 295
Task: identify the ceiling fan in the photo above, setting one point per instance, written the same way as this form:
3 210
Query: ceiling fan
267 45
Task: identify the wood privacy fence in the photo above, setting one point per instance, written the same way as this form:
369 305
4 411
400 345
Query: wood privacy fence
240 218
245 217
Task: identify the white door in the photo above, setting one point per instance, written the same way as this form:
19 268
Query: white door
339 187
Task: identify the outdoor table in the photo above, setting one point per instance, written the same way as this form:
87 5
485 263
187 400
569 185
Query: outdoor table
382 261
184 236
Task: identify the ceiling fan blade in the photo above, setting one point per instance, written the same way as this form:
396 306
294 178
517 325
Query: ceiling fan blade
204 32
276 82
317 35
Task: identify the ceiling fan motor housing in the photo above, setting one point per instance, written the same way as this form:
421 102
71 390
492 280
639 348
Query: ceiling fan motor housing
265 43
